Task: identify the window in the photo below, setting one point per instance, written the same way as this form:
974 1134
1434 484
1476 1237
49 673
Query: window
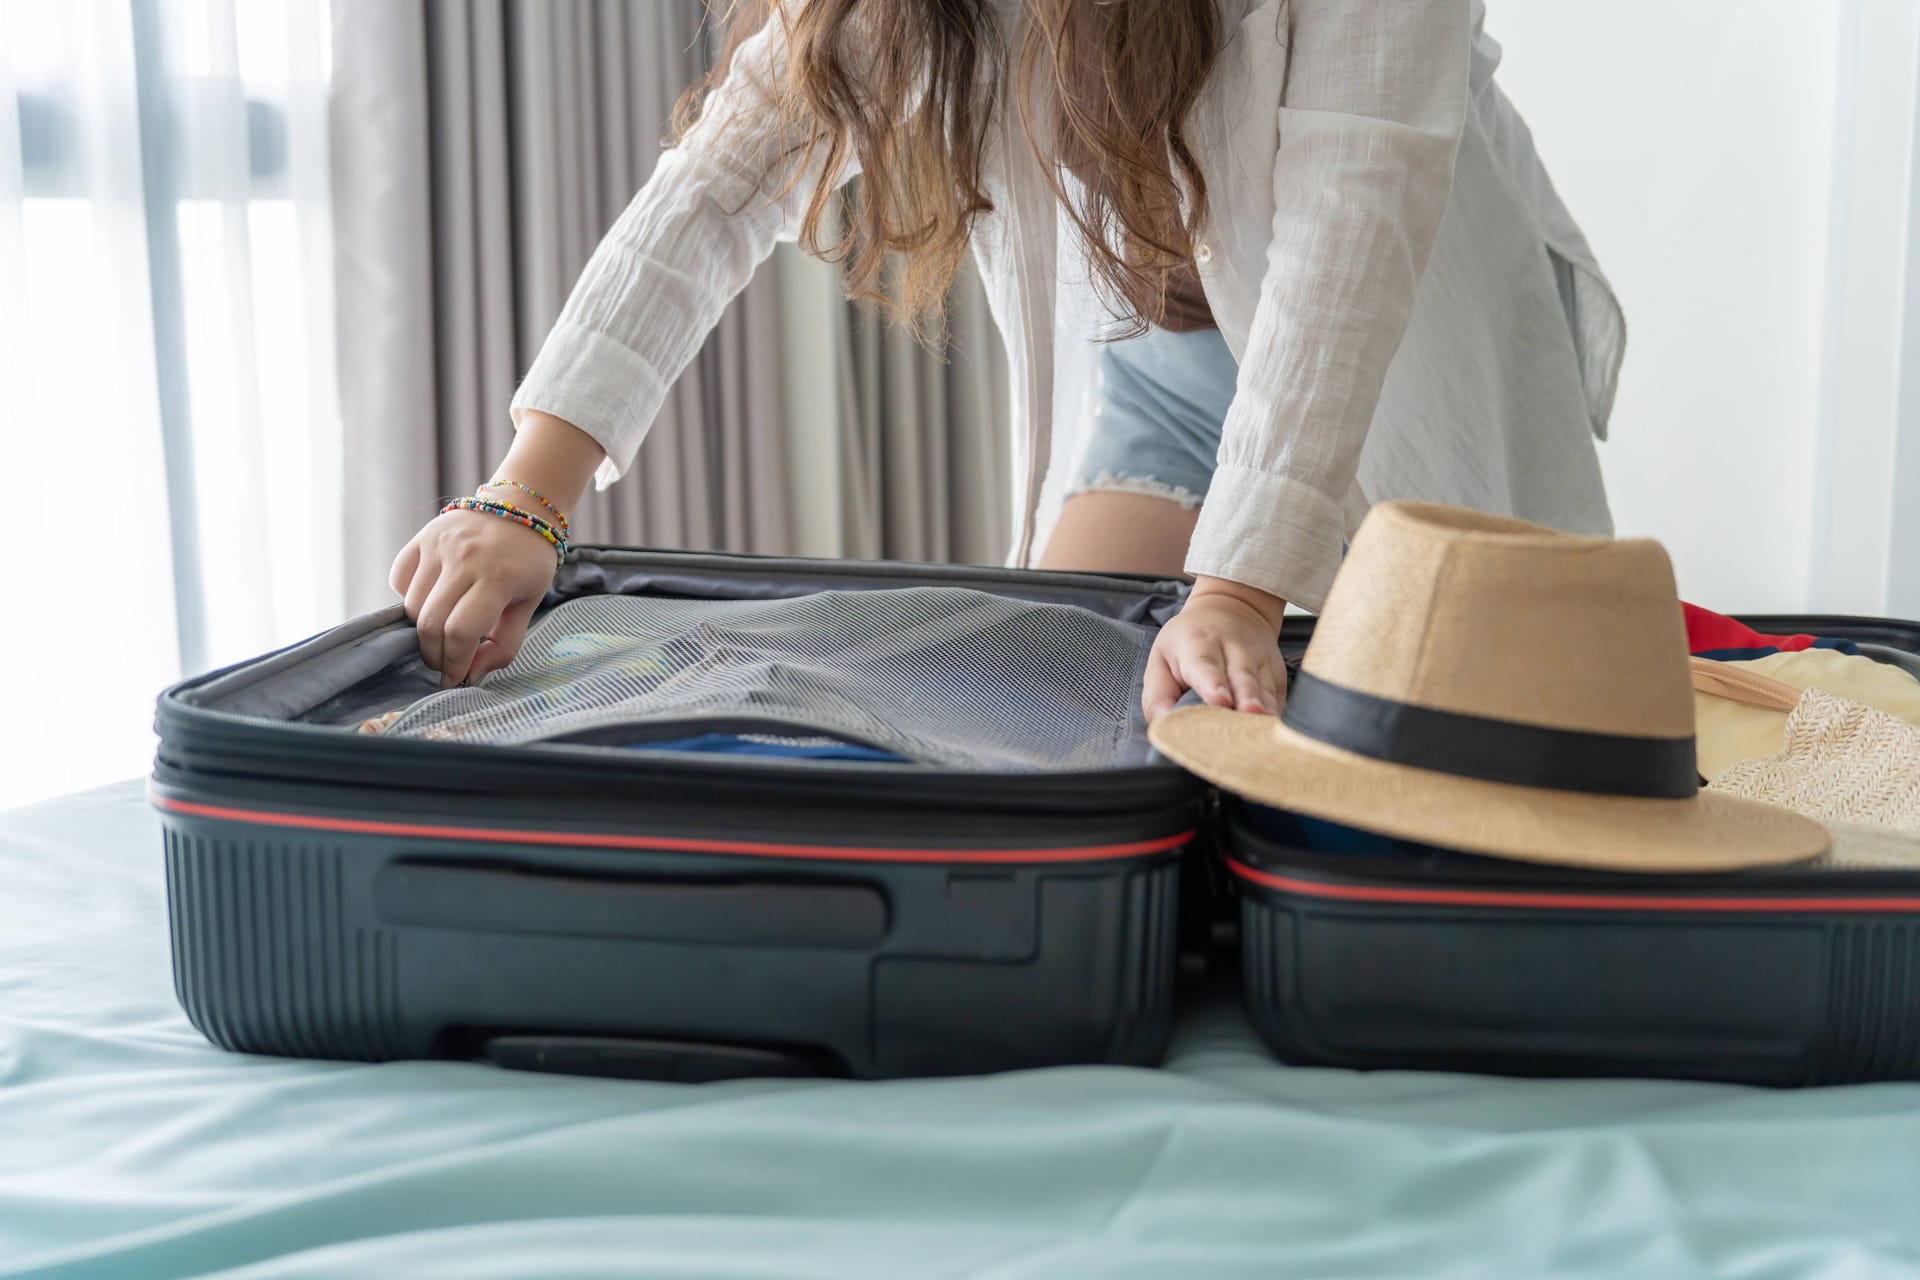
166 343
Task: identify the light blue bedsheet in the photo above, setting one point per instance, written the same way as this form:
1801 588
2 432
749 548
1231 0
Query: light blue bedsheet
129 1148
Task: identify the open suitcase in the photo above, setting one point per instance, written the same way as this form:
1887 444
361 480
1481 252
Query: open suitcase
572 905
596 904
1410 960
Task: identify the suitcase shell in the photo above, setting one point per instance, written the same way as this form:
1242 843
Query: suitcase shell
577 908
1788 976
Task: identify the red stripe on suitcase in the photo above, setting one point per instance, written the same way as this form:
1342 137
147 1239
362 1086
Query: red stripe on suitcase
668 844
1558 901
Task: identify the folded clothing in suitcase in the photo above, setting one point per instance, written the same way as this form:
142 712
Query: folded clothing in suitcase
722 815
1381 954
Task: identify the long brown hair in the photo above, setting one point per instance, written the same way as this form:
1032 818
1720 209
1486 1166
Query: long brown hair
909 88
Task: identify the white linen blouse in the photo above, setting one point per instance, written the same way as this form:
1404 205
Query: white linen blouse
1414 311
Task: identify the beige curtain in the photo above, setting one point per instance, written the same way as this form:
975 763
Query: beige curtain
926 437
480 149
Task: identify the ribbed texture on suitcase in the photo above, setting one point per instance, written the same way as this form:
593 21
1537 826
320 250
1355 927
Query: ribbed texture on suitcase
265 959
1152 923
1868 1030
1260 941
1873 1032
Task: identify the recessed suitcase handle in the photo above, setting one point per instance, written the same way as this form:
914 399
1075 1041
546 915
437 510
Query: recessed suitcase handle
518 900
628 1058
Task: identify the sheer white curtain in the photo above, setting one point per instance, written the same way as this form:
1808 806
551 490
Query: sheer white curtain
165 349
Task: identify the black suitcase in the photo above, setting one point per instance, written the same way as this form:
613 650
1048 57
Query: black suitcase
578 907
1410 960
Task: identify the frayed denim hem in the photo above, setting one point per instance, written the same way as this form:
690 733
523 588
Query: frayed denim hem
1145 486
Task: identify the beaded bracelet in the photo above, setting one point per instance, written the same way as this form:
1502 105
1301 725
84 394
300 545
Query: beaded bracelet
530 491
507 511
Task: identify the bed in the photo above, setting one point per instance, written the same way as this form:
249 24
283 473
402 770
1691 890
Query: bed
130 1148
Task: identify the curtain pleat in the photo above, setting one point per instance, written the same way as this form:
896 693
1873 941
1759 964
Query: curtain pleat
383 285
925 453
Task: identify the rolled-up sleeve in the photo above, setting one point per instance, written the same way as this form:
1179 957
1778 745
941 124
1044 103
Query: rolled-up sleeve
710 214
1370 122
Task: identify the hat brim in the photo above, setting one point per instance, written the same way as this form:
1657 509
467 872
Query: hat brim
1258 757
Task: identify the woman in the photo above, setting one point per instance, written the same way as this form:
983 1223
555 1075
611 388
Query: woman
1301 226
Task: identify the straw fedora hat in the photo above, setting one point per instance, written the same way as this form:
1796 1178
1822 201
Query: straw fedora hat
1493 686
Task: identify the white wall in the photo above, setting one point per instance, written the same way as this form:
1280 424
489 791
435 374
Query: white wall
1866 534
1695 143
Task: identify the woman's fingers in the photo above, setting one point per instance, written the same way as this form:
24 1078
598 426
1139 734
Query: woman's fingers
1224 652
473 618
400 577
1276 684
1259 677
471 585
420 589
502 645
1161 688
431 622
1250 684
419 586
1204 671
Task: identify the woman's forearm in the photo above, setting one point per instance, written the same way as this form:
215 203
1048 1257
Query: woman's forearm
553 456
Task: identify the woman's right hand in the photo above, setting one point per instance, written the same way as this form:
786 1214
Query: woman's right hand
471 582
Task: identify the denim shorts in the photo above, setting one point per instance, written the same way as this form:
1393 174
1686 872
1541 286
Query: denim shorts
1163 401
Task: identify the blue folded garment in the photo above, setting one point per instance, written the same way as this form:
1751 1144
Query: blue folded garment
734 744
1847 647
1318 836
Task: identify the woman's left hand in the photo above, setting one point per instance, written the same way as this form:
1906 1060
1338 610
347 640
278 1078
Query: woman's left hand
1224 645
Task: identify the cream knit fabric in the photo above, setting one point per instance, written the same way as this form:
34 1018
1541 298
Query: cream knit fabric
1729 728
1855 768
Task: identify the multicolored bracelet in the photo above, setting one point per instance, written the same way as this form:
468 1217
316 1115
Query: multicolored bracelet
507 511
531 492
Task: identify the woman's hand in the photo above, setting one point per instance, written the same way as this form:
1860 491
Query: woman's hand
471 580
471 583
1225 645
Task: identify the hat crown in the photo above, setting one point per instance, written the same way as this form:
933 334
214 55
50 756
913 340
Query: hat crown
1487 616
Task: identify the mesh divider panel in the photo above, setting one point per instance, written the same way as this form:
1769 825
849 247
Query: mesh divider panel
944 676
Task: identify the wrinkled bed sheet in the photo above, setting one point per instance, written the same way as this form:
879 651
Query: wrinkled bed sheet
130 1148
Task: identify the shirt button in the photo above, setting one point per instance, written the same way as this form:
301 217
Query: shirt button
1202 254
